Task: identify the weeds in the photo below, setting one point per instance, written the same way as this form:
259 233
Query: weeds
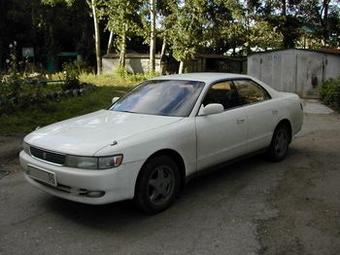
330 93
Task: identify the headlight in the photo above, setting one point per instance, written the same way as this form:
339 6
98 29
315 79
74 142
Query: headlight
81 162
94 162
109 162
26 148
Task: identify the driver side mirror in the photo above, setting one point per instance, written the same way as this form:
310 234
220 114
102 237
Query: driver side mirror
115 99
210 109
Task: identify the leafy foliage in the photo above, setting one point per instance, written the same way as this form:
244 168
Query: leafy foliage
187 27
263 35
123 20
330 92
14 86
321 22
71 75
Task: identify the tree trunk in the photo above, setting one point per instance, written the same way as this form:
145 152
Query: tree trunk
109 43
163 47
122 50
325 21
325 7
284 8
162 57
181 67
96 36
152 35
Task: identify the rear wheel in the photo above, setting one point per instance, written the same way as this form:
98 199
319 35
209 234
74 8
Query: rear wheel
157 185
279 145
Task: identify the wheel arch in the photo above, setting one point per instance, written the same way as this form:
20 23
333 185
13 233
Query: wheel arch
178 159
286 122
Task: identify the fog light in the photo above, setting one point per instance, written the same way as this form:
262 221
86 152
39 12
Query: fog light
95 193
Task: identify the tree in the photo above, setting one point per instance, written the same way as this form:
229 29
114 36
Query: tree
321 22
186 32
153 13
281 15
264 36
186 27
226 26
109 43
123 20
165 10
93 5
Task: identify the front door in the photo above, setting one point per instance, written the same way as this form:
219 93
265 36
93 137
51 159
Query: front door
221 136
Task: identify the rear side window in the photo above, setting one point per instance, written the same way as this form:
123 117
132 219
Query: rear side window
250 92
223 93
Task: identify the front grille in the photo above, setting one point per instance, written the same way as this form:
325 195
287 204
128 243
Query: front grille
48 156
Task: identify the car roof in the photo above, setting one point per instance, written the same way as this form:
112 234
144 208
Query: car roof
204 77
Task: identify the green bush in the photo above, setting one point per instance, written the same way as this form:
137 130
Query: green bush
71 74
14 86
16 92
330 92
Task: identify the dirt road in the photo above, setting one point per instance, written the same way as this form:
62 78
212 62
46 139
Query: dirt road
252 207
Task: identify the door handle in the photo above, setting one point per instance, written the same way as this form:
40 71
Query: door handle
240 121
275 112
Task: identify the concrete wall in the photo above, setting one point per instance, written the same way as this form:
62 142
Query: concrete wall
298 71
133 64
139 63
333 66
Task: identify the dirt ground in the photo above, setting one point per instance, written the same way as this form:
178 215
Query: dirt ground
308 196
251 207
9 149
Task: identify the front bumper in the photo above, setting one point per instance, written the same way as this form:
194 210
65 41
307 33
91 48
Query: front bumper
76 184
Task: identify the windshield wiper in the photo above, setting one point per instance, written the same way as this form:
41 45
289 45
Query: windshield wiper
124 111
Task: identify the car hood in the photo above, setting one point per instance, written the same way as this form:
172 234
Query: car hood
87 134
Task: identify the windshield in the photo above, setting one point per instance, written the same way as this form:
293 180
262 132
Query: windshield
161 97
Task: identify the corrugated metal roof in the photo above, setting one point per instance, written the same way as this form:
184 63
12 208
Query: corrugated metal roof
332 51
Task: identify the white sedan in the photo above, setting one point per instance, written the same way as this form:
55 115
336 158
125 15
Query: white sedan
149 142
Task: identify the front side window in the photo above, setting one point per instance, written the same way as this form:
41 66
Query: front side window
223 93
249 92
161 97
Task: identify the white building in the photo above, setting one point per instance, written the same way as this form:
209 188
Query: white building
295 70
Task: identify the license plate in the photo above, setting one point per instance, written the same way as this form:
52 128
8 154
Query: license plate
42 175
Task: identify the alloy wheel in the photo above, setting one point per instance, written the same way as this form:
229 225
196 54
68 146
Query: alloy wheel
161 185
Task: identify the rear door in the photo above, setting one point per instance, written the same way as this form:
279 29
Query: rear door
221 136
261 113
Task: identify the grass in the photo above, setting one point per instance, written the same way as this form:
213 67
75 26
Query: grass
106 80
330 93
99 80
108 86
43 89
27 120
114 79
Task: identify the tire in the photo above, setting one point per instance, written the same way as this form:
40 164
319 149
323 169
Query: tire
157 185
278 148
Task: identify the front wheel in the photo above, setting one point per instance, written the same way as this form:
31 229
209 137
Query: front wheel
278 148
157 185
